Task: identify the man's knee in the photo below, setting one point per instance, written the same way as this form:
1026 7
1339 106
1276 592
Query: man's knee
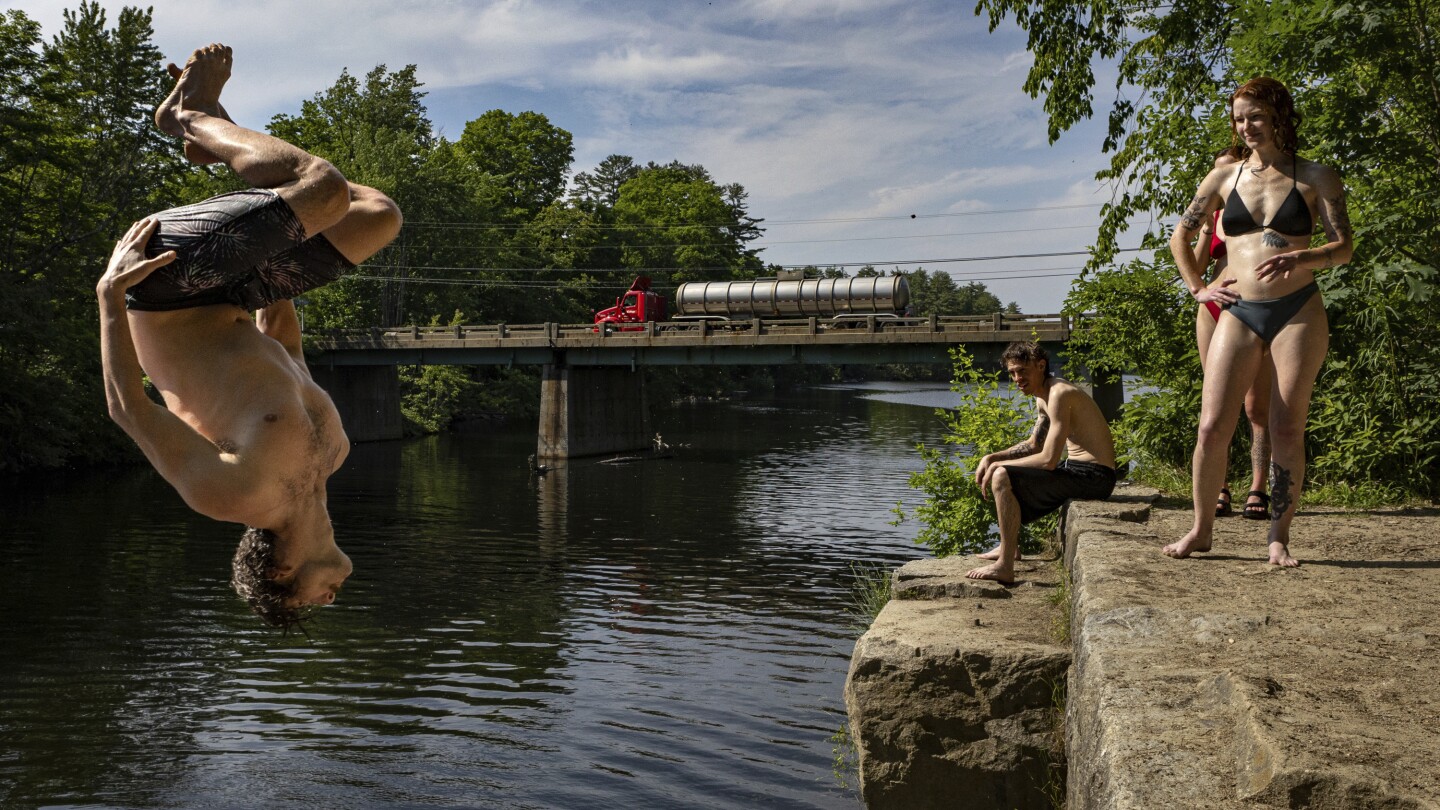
1000 482
320 196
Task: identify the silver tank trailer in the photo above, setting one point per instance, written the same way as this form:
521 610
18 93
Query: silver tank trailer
774 298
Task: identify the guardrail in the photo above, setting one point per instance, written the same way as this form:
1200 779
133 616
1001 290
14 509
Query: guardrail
940 328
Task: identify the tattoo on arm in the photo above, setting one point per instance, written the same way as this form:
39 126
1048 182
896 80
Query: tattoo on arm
1194 215
1030 446
1336 218
1282 494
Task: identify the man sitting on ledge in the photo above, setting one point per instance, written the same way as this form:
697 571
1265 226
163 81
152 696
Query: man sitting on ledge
1029 480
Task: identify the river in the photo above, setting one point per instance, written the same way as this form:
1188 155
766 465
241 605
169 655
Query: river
666 634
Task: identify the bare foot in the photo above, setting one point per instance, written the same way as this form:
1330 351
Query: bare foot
1003 573
1280 555
994 554
197 90
193 151
1187 545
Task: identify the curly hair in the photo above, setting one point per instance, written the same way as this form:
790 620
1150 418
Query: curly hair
1025 351
251 573
1272 94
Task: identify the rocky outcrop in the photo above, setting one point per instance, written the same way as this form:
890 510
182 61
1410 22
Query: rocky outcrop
1214 682
1223 682
952 692
956 690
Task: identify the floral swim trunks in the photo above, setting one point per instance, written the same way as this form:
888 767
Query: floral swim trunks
245 248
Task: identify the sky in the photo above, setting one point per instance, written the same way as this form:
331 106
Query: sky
889 132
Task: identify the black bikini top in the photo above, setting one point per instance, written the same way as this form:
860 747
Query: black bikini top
1293 218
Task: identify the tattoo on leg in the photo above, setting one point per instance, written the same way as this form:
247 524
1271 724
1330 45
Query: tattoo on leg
1275 240
1282 495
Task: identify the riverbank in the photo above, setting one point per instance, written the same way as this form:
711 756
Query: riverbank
1221 681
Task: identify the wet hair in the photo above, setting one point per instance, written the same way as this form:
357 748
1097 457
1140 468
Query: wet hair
1025 351
1272 94
251 575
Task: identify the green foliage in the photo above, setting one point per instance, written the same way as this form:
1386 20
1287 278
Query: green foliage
527 156
80 160
955 518
676 218
1366 77
937 293
869 594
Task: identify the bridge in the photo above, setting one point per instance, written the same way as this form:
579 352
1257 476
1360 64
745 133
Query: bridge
592 392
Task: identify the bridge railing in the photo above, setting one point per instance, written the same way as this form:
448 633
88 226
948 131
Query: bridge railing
1014 326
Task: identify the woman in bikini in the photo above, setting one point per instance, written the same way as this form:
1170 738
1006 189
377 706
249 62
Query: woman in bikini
1210 247
1272 312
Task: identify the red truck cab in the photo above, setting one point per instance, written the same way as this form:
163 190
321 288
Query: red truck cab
636 306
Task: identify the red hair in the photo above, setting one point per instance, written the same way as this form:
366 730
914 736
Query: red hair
1272 94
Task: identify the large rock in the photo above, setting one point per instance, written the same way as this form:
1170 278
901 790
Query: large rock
1223 682
953 698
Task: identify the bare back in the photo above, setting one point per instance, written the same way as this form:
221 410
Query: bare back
248 396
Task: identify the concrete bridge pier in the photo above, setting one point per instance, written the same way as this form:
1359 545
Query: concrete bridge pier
591 411
367 397
1110 396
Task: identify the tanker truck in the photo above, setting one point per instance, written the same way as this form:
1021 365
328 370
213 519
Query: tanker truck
834 298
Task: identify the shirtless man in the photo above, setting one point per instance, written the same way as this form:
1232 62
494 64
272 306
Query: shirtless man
245 435
1030 480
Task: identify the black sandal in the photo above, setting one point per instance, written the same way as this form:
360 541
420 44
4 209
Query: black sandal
1257 511
1222 506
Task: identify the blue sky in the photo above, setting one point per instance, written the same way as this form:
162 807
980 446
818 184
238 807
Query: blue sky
840 118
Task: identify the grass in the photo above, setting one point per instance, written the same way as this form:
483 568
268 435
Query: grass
1357 496
868 595
845 758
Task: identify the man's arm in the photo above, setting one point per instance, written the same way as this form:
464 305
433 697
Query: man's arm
1051 447
190 462
1028 447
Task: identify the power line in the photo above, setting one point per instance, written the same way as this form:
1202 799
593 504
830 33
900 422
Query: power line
778 242
1042 272
649 270
769 223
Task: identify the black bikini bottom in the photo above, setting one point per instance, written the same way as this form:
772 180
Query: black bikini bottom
1267 318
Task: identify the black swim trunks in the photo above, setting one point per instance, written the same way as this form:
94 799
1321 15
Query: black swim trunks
245 248
1042 491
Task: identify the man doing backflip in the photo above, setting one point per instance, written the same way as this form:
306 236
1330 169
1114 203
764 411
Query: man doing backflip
1029 480
245 435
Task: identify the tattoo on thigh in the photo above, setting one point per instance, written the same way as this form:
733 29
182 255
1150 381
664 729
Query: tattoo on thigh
1282 493
1275 240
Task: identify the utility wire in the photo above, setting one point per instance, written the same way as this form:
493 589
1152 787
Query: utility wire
767 222
648 270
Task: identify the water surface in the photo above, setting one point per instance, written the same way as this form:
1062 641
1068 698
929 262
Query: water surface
666 634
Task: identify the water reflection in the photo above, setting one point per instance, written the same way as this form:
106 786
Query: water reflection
665 634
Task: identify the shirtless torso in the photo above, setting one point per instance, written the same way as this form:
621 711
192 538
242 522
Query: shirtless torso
274 429
1087 437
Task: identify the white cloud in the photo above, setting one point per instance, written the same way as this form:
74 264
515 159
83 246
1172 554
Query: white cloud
822 109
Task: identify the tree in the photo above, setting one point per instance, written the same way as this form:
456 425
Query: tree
676 219
1366 76
598 191
79 160
526 155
